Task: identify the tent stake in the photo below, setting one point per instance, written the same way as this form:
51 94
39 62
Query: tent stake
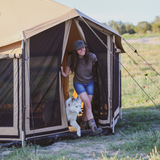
22 138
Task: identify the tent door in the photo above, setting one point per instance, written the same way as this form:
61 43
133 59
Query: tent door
10 99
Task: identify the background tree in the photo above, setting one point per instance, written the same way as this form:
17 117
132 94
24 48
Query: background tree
142 27
130 28
118 26
121 27
156 24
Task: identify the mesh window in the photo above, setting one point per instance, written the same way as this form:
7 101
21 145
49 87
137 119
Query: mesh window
6 93
100 98
116 78
45 62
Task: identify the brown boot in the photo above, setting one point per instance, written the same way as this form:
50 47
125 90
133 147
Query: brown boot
94 128
83 125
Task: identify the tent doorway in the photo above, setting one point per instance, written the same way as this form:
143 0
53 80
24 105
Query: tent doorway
67 82
73 36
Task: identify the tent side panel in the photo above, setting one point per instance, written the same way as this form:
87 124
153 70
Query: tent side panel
45 112
6 92
116 88
10 108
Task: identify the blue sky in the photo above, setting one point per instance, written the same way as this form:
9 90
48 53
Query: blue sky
132 11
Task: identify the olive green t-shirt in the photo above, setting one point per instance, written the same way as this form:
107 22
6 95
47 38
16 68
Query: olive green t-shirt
83 73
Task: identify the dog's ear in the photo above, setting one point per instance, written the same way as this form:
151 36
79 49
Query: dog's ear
72 98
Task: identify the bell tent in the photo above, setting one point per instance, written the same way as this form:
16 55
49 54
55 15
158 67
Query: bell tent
34 43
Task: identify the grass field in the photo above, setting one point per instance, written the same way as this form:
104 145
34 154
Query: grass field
132 95
137 134
136 36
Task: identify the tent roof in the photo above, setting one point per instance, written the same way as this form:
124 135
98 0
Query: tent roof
29 17
22 19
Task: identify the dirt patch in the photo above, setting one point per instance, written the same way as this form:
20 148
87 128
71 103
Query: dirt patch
5 153
85 149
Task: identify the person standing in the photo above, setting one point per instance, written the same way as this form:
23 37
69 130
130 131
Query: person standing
81 63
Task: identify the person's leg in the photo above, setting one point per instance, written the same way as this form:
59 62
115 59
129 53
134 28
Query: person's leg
85 91
91 122
89 88
84 121
87 104
84 116
80 89
88 109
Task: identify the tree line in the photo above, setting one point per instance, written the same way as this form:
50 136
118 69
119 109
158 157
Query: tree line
141 28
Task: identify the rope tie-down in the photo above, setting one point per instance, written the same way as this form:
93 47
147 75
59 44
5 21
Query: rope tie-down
133 49
121 63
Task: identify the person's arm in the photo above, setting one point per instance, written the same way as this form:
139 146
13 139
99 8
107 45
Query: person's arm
66 73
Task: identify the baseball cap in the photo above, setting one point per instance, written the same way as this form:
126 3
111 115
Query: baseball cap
78 44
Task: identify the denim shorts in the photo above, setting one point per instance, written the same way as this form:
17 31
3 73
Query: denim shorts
87 87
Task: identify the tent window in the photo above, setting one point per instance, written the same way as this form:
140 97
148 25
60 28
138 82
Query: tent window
45 62
6 93
116 91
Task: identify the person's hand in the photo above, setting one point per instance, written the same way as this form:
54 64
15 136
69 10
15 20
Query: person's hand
66 72
61 69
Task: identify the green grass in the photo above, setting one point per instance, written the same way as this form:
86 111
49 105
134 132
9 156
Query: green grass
136 134
140 128
136 36
132 95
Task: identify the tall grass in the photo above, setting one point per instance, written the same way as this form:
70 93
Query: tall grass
132 94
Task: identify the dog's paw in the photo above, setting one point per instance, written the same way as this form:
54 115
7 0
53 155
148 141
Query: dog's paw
79 134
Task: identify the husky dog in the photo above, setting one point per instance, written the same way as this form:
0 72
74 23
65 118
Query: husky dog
73 108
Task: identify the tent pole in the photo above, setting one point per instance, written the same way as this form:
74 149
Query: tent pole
23 102
120 90
113 126
113 87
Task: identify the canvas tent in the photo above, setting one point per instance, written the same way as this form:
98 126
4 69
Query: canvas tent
36 37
